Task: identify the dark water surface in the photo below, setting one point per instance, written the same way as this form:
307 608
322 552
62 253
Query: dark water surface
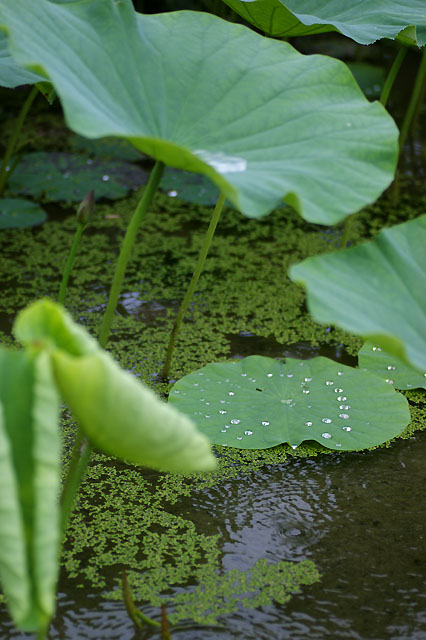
359 516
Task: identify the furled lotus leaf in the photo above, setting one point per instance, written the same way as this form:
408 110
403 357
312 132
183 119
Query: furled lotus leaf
119 414
363 21
258 402
46 324
30 472
376 290
272 125
125 419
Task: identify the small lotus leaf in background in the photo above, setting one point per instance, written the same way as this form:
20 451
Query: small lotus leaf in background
30 451
16 213
305 134
372 358
190 187
376 290
106 148
258 403
119 414
365 21
69 177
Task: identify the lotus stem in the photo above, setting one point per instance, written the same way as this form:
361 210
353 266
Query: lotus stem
126 248
165 629
4 174
346 230
135 614
77 468
193 284
414 100
70 262
413 105
393 72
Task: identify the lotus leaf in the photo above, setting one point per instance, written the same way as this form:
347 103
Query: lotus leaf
118 413
365 21
306 134
69 177
30 451
258 403
16 213
372 358
375 290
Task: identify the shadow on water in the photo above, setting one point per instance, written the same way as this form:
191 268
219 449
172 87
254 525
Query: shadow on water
246 344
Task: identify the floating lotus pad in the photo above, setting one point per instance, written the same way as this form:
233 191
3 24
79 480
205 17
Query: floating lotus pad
16 213
258 403
69 177
394 371
365 21
302 131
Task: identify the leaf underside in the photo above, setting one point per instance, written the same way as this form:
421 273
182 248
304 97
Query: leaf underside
375 290
365 21
177 98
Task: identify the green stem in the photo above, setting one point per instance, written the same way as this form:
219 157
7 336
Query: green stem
126 249
165 629
393 72
14 138
192 285
79 461
415 96
134 613
70 262
346 230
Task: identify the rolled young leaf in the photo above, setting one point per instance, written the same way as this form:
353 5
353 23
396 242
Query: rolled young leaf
30 451
124 418
120 415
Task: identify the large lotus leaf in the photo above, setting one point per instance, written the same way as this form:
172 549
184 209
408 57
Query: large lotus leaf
273 124
372 358
258 402
362 20
11 74
119 414
30 451
66 176
16 213
375 290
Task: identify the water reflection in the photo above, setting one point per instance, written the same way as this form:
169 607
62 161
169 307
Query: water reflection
359 516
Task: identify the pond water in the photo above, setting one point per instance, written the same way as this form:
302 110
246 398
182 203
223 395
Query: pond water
360 517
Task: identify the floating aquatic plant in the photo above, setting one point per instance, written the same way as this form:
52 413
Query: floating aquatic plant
258 402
